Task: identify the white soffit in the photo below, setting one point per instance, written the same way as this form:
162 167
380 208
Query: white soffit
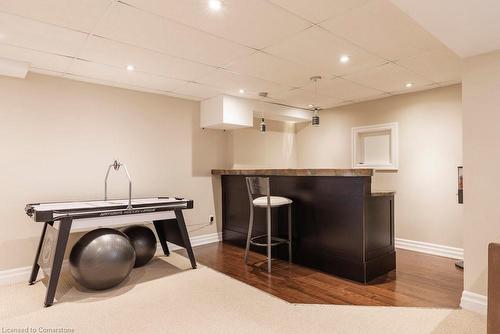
229 112
280 112
465 26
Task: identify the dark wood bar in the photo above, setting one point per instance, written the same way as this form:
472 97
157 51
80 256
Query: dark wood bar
339 225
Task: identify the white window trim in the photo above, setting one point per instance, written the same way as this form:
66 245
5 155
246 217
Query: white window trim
393 128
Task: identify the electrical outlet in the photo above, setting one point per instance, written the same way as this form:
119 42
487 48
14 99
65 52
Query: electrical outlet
211 219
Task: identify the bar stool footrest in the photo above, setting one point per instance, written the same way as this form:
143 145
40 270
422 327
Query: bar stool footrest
274 241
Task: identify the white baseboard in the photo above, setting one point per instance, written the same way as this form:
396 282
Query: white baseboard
474 302
15 275
22 274
195 241
428 248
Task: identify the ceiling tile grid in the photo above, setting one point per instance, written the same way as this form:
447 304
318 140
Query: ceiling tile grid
112 83
197 90
343 90
133 26
105 51
383 29
37 59
250 23
231 83
26 33
183 48
388 78
272 68
116 74
305 99
319 49
437 65
255 23
319 10
73 14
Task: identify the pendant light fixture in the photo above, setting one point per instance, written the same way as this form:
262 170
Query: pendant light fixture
263 126
315 116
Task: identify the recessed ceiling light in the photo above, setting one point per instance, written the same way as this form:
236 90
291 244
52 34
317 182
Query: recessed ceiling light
344 59
130 67
215 5
242 91
310 106
409 84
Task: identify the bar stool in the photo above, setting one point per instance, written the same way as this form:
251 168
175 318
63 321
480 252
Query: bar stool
259 195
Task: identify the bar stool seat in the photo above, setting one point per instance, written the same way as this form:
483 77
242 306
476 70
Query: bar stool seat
261 202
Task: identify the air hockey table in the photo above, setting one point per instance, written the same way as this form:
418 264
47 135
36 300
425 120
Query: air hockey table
59 219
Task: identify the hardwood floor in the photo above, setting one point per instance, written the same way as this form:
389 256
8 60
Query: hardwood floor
419 280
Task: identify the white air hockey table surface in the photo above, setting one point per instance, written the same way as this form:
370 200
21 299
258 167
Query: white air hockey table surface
115 212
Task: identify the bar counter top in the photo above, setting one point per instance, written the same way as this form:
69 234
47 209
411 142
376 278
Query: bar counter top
295 172
305 172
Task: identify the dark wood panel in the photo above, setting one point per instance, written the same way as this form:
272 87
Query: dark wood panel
493 288
379 224
420 280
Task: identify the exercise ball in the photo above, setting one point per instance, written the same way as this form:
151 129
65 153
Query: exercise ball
101 259
144 242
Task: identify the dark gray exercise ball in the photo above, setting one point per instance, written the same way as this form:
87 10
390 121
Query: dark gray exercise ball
144 242
101 259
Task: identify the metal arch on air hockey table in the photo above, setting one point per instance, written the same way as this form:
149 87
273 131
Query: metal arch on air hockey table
166 229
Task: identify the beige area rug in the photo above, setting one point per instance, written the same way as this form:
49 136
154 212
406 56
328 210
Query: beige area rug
166 296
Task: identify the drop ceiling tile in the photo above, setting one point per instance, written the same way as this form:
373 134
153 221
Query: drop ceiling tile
274 69
113 84
304 99
343 90
130 25
197 90
254 23
416 89
367 98
231 83
36 59
320 10
440 66
18 31
384 29
74 14
122 76
389 78
321 51
110 52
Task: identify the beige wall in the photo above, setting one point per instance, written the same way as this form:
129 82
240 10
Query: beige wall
481 103
58 136
274 148
430 149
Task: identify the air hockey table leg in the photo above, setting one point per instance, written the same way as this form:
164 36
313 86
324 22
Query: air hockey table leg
185 236
57 260
36 266
161 236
